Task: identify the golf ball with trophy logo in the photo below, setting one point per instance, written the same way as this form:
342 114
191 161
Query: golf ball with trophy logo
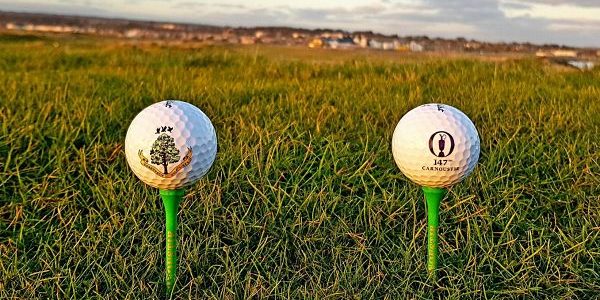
170 144
435 145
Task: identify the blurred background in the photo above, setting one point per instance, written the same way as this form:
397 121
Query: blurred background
407 25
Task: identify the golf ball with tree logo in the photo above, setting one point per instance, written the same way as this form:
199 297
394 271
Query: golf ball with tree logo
435 145
170 144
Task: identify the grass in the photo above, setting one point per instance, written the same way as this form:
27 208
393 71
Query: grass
304 200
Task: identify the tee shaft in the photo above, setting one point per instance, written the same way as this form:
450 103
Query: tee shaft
433 197
171 199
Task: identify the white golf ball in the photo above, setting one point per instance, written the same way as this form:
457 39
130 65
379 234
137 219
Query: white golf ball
435 145
170 144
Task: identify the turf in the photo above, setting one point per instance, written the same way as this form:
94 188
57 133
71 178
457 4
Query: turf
304 200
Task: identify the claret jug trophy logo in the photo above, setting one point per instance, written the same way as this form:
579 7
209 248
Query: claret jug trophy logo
165 152
441 144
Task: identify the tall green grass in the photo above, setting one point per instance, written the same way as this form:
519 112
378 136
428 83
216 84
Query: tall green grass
304 200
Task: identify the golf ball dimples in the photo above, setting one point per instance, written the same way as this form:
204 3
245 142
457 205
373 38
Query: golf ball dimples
435 145
170 144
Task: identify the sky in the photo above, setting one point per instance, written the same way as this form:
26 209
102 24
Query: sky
575 22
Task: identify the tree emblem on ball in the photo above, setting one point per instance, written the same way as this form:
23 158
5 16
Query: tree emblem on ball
165 152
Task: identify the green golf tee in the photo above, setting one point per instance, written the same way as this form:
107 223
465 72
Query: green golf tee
433 197
171 199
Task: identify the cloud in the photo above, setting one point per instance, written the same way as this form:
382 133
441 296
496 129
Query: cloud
468 11
311 14
197 5
585 3
369 9
516 5
55 8
554 12
189 5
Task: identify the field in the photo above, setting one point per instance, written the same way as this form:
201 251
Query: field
304 200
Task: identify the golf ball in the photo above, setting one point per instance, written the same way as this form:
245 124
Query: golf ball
435 145
170 144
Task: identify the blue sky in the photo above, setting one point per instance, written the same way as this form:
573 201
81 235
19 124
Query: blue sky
540 21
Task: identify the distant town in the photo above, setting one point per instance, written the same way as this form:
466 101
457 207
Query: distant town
317 38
